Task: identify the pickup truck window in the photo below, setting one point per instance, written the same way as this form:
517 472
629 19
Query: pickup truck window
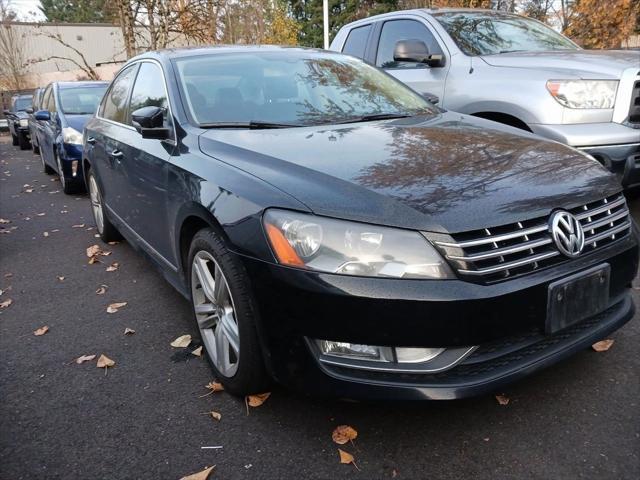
479 33
395 30
357 41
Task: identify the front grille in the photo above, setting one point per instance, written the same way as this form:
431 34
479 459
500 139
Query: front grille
499 253
634 108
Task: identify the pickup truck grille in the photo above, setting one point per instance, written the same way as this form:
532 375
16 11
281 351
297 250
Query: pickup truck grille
499 253
634 108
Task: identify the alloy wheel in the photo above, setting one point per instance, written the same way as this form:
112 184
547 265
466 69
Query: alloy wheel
215 313
96 204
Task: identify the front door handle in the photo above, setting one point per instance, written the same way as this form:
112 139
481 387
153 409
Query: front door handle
117 154
91 140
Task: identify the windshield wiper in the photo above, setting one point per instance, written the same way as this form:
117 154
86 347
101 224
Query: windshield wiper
375 116
253 125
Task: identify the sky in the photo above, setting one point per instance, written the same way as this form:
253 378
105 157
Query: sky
27 10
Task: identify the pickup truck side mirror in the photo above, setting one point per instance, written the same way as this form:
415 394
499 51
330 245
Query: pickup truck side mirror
431 98
416 51
43 115
148 121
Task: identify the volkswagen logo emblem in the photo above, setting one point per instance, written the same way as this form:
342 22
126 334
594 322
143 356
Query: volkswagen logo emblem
567 233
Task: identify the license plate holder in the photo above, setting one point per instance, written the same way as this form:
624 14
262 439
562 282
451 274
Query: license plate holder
577 297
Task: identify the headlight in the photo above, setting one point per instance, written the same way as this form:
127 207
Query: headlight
584 93
349 248
71 135
24 122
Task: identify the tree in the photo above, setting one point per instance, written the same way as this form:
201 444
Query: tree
282 30
78 11
597 24
12 59
76 56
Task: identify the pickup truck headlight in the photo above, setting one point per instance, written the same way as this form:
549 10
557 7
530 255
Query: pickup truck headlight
24 122
72 136
350 248
584 93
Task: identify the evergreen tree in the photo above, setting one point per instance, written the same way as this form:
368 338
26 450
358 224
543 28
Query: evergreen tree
77 11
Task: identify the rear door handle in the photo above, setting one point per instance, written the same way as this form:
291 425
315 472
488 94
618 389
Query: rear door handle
91 140
117 154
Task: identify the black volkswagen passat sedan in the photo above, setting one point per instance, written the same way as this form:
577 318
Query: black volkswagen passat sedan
339 234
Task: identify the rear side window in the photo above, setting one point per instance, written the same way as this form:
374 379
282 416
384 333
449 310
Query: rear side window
149 90
395 30
356 43
115 102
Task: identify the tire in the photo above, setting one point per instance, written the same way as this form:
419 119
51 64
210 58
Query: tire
35 148
249 374
107 231
14 140
45 168
24 142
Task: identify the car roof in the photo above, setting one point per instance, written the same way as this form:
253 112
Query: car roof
172 53
88 83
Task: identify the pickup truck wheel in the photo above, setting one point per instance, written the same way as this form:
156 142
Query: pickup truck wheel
106 230
226 315
24 142
14 140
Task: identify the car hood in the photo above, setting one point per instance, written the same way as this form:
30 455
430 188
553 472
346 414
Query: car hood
20 114
446 173
594 64
77 122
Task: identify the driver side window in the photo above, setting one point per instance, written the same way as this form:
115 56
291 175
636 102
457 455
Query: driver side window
149 91
394 31
114 106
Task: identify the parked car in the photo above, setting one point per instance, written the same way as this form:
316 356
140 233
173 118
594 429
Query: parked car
64 110
4 125
513 70
18 118
35 106
335 231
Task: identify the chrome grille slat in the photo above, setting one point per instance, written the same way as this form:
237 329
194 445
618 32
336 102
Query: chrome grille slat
498 253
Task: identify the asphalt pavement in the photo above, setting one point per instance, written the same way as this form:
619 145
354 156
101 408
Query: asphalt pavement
146 418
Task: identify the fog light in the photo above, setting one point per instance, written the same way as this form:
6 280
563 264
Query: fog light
74 167
355 351
417 355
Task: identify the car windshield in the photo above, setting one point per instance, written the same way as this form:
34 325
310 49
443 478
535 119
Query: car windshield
479 33
81 100
290 88
22 103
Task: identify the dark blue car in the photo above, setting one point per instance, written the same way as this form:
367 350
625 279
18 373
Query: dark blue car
65 108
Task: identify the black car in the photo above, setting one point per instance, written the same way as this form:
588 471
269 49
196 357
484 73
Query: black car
32 122
18 119
338 233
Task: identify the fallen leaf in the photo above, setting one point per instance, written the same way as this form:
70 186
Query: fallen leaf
93 250
182 341
80 225
129 331
6 303
113 243
214 387
347 458
41 331
603 345
84 358
3 220
258 399
203 475
502 399
105 362
55 230
8 275
197 352
215 415
45 234
113 267
343 434
102 289
114 307
42 214
28 190
61 279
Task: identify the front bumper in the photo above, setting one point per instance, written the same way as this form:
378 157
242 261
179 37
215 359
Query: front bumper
506 320
70 160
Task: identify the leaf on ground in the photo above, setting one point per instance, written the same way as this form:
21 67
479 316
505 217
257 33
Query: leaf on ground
343 434
102 289
42 214
93 250
129 331
182 341
4 220
61 278
214 387
347 458
84 358
603 345
41 331
113 243
80 225
197 352
203 475
28 190
105 362
114 307
8 275
45 234
6 303
215 415
258 399
113 267
502 399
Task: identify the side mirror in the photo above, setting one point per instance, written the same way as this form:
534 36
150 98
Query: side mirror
43 115
29 111
431 98
148 121
416 51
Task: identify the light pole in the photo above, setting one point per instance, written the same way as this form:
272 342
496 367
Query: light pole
325 20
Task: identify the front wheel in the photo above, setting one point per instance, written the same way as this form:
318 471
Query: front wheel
106 230
23 141
226 315
14 140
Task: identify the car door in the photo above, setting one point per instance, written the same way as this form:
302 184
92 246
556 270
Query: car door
39 124
146 165
420 77
49 129
106 137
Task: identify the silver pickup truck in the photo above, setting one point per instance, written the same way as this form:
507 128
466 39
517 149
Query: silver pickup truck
514 70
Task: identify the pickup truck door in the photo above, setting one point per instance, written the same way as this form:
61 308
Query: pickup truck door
420 77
